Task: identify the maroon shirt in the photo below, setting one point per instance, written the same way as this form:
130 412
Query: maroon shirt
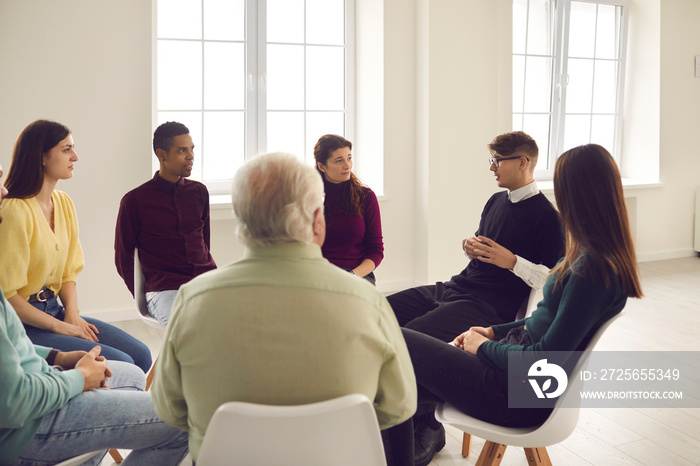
351 238
169 224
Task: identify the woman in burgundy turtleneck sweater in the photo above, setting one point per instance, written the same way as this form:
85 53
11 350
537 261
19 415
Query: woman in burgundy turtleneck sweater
353 223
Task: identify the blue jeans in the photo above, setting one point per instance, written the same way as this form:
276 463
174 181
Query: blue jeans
160 303
116 344
119 417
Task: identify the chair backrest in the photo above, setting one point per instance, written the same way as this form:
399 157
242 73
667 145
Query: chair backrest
530 303
140 287
563 420
342 431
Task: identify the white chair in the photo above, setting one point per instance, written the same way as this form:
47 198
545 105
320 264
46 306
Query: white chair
530 303
560 424
77 460
342 432
142 307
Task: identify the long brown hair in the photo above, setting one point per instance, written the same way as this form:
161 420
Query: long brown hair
588 190
25 176
354 194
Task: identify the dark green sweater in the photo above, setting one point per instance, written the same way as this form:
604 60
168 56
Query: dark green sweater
564 320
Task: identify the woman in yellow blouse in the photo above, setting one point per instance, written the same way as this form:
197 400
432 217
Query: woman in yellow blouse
40 253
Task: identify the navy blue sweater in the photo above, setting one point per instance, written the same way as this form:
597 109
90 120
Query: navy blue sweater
531 229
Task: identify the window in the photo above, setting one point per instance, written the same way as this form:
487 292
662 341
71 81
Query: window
568 67
252 76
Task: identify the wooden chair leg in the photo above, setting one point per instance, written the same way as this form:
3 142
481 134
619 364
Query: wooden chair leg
491 454
537 457
151 373
466 444
116 456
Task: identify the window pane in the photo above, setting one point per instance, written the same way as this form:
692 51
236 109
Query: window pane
537 126
318 124
325 22
285 77
580 88
582 30
519 25
607 31
325 78
517 122
538 84
224 76
540 28
224 144
193 121
605 81
518 83
285 132
180 19
603 131
577 130
179 75
224 19
285 21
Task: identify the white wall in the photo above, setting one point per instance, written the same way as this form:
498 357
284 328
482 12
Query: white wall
86 64
446 94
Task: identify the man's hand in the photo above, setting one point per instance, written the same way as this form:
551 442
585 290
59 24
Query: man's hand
68 360
470 340
487 250
469 245
94 369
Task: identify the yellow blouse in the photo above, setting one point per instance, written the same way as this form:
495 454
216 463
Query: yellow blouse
33 256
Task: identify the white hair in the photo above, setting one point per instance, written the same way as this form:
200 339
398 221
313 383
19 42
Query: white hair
274 199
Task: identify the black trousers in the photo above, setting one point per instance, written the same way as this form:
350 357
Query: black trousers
441 312
445 373
398 444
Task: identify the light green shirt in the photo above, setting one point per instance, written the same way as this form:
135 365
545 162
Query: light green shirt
281 326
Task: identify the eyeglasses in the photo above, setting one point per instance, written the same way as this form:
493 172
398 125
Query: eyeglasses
497 161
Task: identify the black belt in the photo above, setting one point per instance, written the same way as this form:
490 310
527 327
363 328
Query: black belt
42 296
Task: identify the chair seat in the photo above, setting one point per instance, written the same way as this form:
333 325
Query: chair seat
77 460
516 436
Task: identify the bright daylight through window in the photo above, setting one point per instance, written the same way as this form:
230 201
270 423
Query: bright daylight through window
568 74
251 76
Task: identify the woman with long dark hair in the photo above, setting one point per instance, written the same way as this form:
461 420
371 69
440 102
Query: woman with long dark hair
353 223
40 252
588 286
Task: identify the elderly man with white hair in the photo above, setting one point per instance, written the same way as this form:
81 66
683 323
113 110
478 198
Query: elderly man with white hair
281 326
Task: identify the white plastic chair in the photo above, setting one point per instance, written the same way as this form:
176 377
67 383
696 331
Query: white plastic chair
77 460
342 432
560 424
530 303
140 294
142 308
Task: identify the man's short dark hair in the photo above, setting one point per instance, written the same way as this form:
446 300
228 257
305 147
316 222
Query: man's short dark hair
164 134
517 141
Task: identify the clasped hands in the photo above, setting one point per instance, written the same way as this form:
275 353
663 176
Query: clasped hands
470 340
487 250
90 364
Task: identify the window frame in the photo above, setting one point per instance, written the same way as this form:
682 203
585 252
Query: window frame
559 82
255 106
